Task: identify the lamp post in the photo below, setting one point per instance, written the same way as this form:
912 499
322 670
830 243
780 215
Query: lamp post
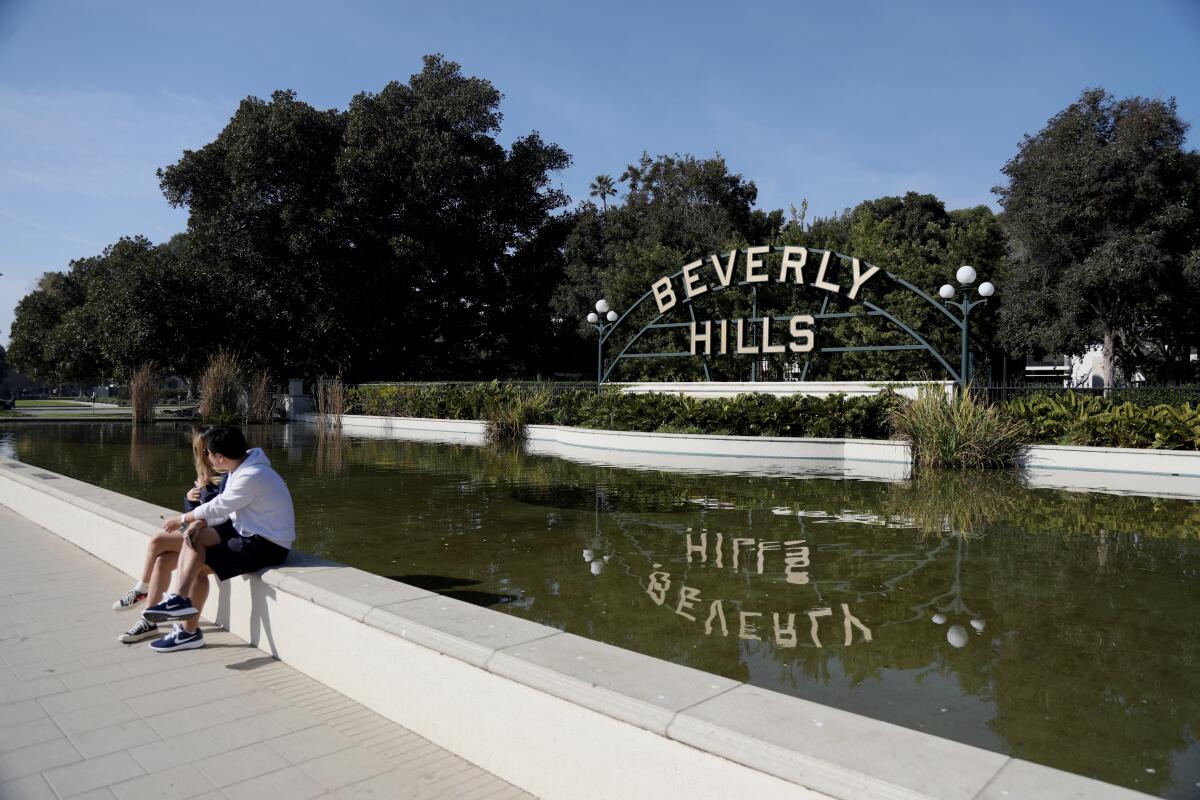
602 320
965 277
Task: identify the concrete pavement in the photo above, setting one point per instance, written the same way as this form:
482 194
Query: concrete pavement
82 716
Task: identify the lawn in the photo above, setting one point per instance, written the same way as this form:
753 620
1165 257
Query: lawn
52 403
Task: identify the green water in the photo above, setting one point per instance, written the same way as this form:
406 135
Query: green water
1052 626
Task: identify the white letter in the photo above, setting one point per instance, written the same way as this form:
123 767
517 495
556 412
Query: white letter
767 347
724 337
726 275
812 615
820 282
785 636
746 629
662 290
790 264
705 337
716 611
701 548
795 559
762 547
802 333
754 263
853 620
686 595
660 582
736 544
690 280
859 277
743 348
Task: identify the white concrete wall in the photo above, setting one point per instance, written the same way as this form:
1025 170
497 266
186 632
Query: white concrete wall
1116 470
559 715
1170 473
859 458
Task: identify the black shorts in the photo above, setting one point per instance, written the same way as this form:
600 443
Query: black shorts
238 555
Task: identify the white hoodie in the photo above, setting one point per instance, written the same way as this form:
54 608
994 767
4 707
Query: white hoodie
256 499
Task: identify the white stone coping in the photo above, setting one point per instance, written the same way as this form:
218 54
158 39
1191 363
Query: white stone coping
1167 473
758 455
557 714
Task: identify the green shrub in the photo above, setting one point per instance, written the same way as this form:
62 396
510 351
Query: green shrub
1072 419
958 433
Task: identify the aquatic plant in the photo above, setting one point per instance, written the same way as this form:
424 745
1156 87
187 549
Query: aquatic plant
958 433
143 391
221 389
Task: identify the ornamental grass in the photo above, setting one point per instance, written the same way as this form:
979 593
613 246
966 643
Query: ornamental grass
958 433
143 391
221 389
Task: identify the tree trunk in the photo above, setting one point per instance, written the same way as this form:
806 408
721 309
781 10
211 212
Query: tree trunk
1107 363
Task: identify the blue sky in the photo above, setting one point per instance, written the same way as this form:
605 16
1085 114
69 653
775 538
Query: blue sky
836 103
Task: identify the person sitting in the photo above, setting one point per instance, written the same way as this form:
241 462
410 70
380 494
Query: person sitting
162 551
257 501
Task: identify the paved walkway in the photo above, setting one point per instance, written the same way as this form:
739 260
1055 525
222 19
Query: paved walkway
84 716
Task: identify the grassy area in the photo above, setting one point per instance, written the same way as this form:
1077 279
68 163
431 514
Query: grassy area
52 403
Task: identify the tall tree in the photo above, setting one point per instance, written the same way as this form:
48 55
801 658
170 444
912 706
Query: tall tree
441 218
603 188
1102 209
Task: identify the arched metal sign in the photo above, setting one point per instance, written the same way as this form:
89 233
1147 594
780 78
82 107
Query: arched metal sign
834 274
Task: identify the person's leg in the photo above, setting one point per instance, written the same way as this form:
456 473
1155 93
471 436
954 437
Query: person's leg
178 606
160 575
191 559
161 542
199 596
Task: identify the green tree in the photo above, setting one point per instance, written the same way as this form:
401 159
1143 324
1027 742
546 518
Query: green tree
263 234
677 208
38 344
1101 210
916 239
603 188
452 235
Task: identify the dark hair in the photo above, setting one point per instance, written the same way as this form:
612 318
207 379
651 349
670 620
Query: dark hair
225 440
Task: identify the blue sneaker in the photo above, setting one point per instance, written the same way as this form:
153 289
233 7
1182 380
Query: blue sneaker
178 639
172 608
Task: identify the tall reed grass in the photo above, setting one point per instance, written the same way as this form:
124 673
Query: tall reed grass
505 420
260 406
143 391
221 390
958 433
330 400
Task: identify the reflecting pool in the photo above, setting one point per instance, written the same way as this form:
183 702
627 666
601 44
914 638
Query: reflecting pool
1053 626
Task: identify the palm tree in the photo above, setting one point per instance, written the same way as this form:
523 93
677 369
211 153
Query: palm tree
603 188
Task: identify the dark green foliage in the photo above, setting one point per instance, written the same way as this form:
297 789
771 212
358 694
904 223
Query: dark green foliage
1073 419
1102 210
745 415
395 238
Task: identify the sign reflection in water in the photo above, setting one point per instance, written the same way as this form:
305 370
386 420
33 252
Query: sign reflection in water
1087 661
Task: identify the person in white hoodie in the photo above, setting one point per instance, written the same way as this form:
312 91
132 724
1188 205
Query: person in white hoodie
257 501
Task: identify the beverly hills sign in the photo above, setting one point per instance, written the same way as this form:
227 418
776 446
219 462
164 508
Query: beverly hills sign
714 336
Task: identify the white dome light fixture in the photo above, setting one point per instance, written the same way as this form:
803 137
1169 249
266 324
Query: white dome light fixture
611 316
965 275
946 292
602 305
592 318
986 289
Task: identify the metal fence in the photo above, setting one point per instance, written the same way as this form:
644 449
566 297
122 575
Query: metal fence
1140 395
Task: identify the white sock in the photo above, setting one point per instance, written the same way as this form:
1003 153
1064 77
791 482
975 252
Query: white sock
141 586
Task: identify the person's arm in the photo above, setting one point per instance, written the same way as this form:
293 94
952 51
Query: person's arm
240 491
